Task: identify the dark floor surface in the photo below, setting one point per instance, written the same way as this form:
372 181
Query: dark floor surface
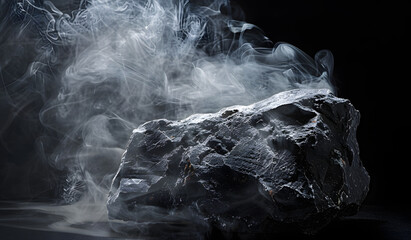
372 222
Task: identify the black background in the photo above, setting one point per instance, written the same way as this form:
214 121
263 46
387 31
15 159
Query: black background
371 66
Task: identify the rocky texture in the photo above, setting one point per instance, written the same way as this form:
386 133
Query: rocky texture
288 162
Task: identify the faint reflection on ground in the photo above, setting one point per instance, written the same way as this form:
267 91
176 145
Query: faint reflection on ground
30 221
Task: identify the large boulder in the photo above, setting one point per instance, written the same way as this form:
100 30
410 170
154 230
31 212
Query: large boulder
290 162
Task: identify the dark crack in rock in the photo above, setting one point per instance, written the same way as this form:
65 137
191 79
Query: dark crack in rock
290 162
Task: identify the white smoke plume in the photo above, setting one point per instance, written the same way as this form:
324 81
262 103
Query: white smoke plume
110 65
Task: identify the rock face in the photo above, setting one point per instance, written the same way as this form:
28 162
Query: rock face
288 162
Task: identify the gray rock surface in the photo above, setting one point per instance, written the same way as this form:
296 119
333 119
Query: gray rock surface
289 162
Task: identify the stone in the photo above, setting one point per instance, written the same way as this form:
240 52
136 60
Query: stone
287 163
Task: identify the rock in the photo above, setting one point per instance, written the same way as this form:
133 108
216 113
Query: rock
290 162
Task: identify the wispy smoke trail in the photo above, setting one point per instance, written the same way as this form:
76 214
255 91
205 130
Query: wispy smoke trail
101 70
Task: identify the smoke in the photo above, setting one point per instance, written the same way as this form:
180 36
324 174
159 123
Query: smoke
94 73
